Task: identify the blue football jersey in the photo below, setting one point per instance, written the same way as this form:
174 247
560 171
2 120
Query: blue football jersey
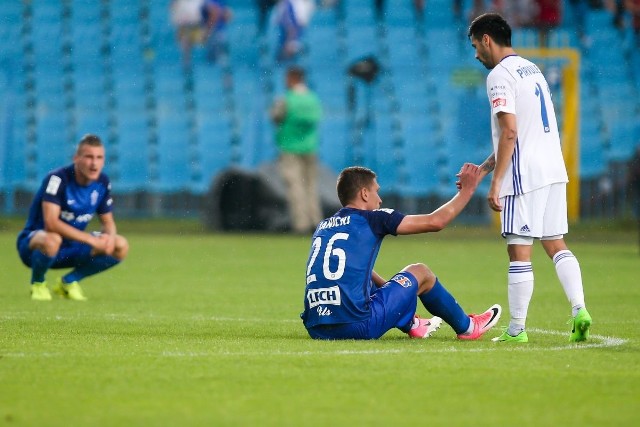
343 252
77 203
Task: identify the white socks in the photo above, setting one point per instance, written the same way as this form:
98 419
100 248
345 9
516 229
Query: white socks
520 292
568 270
521 287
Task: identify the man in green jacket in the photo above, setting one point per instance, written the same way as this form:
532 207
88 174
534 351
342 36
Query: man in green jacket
296 117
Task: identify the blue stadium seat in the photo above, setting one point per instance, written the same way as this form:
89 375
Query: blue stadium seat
359 14
46 41
331 88
323 48
89 87
15 153
386 152
334 141
410 91
242 45
133 155
46 12
361 41
95 122
215 141
439 14
129 93
323 17
421 156
443 60
399 15
10 36
52 145
592 159
624 138
173 164
127 12
247 90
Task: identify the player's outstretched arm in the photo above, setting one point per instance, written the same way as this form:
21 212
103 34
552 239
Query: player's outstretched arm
469 177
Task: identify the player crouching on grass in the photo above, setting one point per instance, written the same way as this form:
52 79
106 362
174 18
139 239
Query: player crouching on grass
346 299
54 235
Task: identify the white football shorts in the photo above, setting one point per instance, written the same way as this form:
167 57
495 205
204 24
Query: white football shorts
539 214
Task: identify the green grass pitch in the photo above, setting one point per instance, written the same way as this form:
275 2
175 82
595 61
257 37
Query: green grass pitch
203 329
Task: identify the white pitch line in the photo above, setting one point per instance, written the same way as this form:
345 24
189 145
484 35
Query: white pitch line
601 341
528 347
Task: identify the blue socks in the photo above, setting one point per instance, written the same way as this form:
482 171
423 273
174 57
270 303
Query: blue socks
92 266
40 263
439 302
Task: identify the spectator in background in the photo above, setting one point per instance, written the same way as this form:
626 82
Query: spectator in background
291 17
264 8
296 117
479 7
633 7
186 17
549 17
54 235
579 10
520 13
215 15
617 9
633 182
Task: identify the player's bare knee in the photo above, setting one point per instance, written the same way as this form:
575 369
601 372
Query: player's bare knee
552 247
423 274
46 242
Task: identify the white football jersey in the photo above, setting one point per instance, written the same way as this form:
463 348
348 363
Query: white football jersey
517 86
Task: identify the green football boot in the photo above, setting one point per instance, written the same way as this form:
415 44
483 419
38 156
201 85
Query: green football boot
40 292
71 291
581 325
505 337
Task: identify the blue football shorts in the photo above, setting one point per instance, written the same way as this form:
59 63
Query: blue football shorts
71 253
391 306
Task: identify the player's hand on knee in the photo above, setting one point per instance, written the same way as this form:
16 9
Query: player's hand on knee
121 247
100 244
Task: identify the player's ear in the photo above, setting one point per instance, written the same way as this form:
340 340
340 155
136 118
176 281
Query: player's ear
364 194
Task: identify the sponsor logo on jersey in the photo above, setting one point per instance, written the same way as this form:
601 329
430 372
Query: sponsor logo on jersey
525 229
402 280
319 296
94 197
53 185
70 217
498 102
387 210
323 311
